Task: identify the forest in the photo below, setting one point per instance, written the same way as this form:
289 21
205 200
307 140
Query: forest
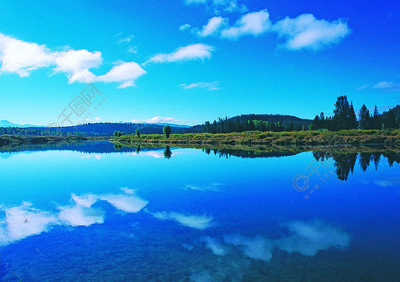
345 117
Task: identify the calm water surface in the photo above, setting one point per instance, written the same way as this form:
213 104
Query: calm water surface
93 213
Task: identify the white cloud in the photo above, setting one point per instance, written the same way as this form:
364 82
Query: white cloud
184 27
387 86
190 52
126 73
76 64
17 56
212 27
255 23
206 85
20 57
308 238
306 32
192 221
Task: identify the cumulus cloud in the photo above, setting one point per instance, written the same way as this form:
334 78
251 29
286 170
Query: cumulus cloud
202 84
387 86
126 73
191 52
20 57
76 64
192 221
254 23
255 248
307 32
212 27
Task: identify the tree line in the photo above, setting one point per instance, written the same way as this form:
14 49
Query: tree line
345 118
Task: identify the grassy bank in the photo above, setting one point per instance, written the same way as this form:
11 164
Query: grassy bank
296 138
17 140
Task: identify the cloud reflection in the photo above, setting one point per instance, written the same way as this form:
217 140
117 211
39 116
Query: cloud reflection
308 238
193 221
305 238
204 188
255 248
23 221
216 247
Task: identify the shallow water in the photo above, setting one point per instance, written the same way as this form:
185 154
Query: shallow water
94 213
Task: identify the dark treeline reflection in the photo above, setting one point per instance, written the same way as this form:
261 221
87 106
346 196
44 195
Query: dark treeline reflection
228 152
345 162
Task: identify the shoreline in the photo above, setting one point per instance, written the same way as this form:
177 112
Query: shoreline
256 138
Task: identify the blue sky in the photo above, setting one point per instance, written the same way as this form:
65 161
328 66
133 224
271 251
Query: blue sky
187 61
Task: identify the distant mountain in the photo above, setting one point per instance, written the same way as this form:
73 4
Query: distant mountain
284 119
173 125
6 123
92 129
237 123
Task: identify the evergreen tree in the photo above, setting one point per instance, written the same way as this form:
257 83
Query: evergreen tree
376 124
352 119
137 132
167 130
390 121
321 123
364 117
341 113
315 123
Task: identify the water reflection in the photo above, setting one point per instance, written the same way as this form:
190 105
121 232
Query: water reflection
345 162
193 221
303 237
23 221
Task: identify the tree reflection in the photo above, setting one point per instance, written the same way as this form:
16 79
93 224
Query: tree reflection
343 161
344 164
167 152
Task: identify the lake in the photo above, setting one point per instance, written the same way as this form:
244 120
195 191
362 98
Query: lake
97 212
